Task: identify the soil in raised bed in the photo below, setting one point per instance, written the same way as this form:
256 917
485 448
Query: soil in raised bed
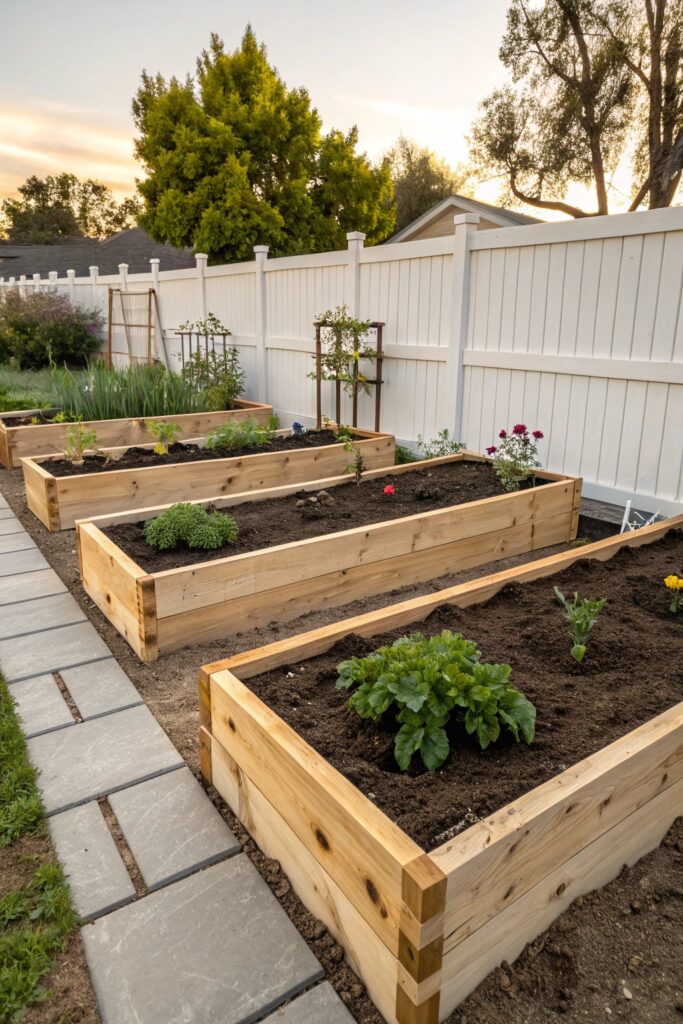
263 524
630 674
139 458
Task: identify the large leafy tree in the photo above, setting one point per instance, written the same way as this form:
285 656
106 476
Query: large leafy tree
59 207
421 179
236 158
591 80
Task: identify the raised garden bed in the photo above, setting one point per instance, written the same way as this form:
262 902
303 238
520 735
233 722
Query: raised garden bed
424 926
164 609
58 501
27 439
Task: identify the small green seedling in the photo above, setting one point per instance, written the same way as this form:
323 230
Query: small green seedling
165 434
78 439
582 614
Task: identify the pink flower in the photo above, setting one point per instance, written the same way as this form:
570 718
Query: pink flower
503 434
491 450
538 434
519 429
390 489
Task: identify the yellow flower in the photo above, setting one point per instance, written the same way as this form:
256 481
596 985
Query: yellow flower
674 582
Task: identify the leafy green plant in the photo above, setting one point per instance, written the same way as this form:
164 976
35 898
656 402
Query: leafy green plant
439 446
516 457
191 525
403 455
342 347
218 375
582 615
165 434
423 682
78 439
357 467
132 392
243 434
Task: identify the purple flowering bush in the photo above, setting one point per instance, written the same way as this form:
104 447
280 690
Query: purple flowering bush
43 328
516 457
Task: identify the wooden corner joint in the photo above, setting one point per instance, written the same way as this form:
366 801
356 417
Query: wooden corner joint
420 942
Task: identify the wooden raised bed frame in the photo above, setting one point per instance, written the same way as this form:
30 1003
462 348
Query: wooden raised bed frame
163 611
423 929
17 443
60 501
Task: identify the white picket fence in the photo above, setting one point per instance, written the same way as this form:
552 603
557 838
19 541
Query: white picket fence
575 328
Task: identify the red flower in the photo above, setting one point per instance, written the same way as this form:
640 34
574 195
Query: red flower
538 434
491 450
503 434
390 489
519 429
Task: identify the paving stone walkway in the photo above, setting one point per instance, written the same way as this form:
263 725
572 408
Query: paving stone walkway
179 927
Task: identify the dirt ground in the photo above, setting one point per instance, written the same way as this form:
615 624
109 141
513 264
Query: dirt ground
540 987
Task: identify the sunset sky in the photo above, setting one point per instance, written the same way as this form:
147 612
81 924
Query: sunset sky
69 72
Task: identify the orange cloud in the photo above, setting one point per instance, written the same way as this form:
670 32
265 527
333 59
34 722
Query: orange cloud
47 138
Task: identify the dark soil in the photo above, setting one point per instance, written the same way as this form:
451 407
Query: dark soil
614 955
263 524
139 458
631 673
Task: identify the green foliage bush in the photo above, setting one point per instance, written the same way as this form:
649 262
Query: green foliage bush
439 446
243 434
191 525
423 682
42 328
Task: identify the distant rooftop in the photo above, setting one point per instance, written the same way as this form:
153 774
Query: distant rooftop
438 219
133 246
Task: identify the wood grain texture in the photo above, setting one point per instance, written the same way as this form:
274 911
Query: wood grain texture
50 438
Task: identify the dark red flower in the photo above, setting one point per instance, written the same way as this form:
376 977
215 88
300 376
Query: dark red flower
503 434
491 450
519 429
538 434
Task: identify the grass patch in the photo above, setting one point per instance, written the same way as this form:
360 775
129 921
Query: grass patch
35 918
24 389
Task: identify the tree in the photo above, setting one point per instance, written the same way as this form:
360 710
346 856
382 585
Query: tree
421 179
60 207
236 158
591 80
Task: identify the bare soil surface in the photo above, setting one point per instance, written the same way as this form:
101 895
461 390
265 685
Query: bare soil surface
138 458
301 516
599 935
625 679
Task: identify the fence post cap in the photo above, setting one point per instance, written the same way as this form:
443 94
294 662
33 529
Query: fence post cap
355 236
155 259
466 218
261 248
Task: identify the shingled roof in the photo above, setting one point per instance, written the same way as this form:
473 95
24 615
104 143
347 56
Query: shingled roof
134 247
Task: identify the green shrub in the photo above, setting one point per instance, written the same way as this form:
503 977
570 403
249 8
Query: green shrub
423 681
403 455
42 328
191 525
243 434
439 446
137 391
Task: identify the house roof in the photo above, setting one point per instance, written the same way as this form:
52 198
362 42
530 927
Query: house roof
133 246
498 214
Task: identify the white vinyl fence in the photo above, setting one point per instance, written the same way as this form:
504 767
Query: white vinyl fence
575 328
